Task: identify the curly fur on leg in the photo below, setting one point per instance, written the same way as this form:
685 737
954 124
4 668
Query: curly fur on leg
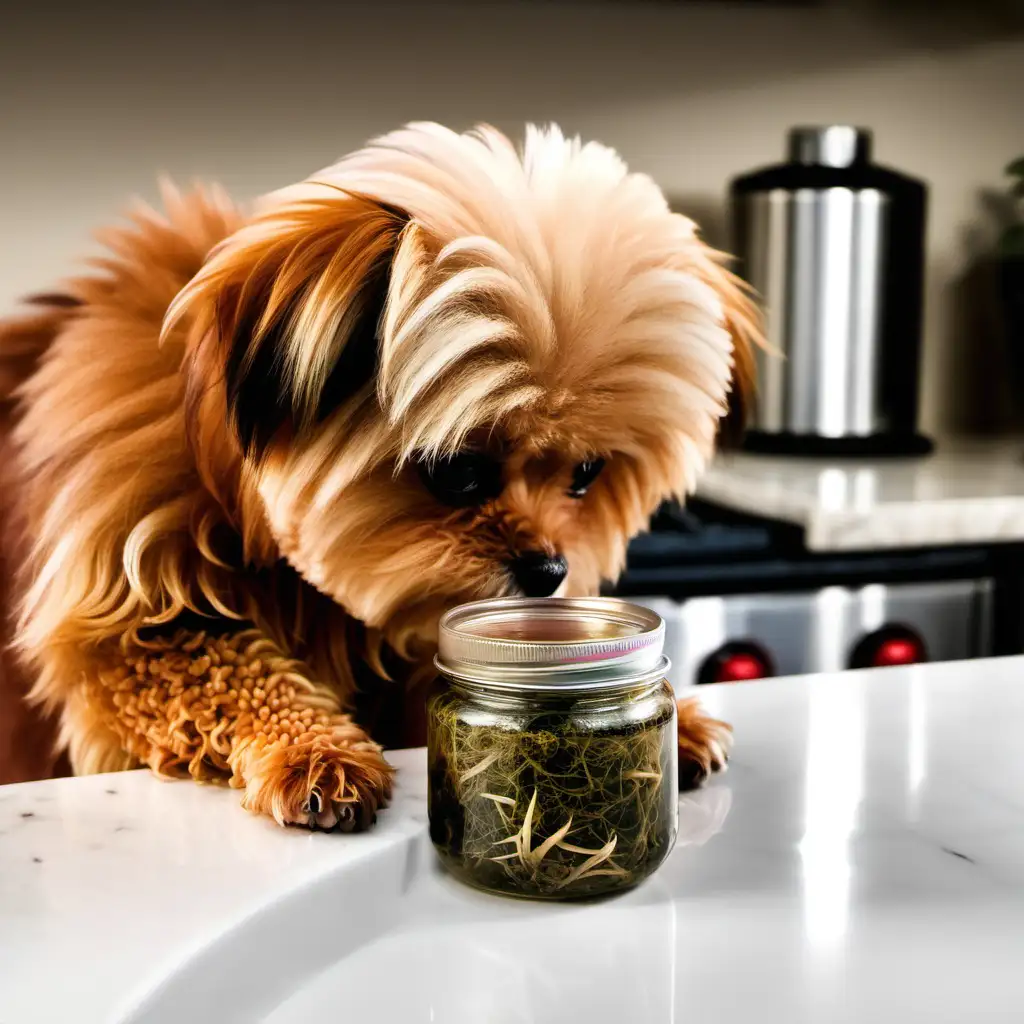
235 709
704 744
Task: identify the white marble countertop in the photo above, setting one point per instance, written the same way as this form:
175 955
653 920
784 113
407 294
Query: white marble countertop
967 492
863 859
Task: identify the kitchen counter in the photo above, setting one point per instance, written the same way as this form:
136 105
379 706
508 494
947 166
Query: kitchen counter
965 493
862 859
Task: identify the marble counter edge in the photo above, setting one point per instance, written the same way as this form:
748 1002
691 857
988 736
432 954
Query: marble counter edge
928 522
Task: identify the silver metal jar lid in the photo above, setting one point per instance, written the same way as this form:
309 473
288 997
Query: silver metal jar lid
552 643
833 145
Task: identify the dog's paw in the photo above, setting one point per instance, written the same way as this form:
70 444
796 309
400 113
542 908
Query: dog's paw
704 744
319 785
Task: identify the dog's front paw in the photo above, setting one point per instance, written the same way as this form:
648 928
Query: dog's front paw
704 744
318 784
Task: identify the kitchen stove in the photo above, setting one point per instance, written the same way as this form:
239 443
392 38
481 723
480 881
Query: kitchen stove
743 599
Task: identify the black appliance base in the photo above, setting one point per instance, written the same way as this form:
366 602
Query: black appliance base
869 446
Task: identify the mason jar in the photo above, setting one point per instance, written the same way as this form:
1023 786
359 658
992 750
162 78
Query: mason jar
552 746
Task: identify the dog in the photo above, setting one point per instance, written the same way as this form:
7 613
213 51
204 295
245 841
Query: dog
256 455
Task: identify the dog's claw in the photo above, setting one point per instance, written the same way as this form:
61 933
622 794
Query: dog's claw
321 815
704 745
692 774
346 818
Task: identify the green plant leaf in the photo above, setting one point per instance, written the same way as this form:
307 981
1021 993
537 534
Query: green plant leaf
1012 242
1016 167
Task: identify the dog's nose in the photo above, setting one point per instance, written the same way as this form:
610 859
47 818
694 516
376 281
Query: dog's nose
538 574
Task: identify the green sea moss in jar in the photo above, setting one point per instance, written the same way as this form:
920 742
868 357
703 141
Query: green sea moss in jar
552 747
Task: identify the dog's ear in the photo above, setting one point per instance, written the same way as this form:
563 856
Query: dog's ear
290 305
744 322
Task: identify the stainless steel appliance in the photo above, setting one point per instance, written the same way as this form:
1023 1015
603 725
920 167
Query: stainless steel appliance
834 244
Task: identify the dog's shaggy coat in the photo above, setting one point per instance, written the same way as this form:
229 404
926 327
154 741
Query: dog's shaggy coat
220 438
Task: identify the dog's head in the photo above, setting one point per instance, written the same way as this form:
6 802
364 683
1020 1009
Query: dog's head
456 371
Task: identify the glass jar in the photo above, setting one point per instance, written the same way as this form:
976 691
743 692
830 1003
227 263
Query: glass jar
552 746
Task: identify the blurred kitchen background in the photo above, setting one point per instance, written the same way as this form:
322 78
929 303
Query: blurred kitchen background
783 563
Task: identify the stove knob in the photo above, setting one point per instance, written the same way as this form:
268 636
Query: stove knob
736 668
891 645
739 661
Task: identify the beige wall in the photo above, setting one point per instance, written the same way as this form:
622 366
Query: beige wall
93 106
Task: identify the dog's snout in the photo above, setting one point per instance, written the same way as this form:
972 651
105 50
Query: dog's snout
538 574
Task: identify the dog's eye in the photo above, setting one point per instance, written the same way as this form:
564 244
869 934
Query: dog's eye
463 480
583 475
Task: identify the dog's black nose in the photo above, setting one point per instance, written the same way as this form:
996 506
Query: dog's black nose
538 574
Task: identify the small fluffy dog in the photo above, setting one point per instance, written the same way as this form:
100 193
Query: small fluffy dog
255 457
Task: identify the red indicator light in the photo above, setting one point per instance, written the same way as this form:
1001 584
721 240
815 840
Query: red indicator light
738 661
898 651
890 645
738 668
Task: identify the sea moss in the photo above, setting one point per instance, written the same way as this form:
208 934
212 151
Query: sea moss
552 804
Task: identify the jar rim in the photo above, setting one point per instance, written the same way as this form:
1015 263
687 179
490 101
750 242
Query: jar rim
552 644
